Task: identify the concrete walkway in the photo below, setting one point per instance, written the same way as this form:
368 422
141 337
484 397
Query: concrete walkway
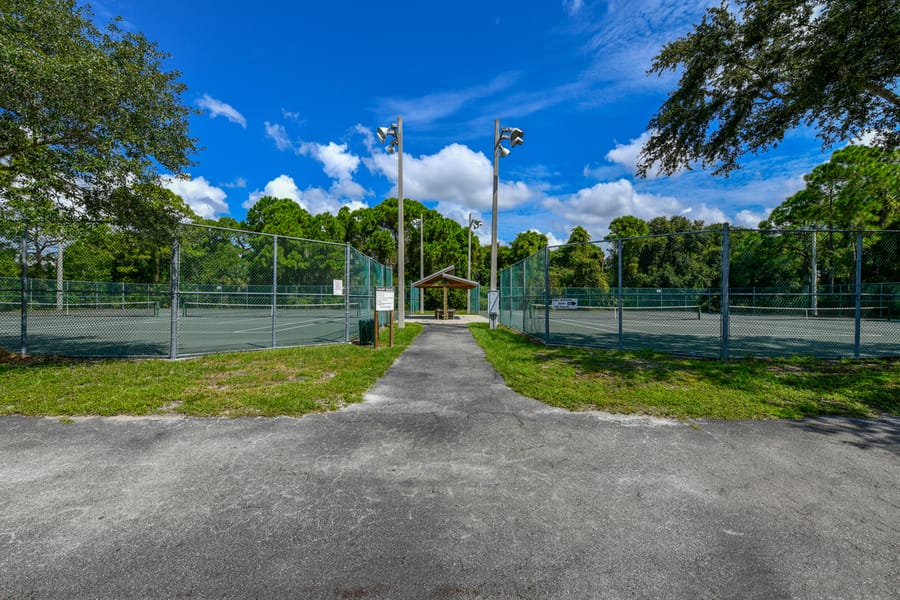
445 484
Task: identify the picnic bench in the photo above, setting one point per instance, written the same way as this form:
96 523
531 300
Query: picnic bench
439 313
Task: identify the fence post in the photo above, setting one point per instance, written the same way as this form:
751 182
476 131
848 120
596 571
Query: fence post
524 295
174 285
620 300
274 285
726 257
814 277
547 295
347 293
858 295
24 296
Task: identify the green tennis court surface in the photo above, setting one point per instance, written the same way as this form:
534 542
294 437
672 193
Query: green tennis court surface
132 330
690 330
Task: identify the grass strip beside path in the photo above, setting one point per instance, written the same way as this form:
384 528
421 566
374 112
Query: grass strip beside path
657 384
289 382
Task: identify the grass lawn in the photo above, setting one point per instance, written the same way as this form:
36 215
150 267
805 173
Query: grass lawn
290 381
685 388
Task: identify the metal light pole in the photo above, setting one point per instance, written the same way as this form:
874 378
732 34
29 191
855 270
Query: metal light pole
396 132
515 137
422 246
476 223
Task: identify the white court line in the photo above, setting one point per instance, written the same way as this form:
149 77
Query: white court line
288 326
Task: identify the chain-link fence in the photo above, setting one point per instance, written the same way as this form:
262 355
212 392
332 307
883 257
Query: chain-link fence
719 292
208 290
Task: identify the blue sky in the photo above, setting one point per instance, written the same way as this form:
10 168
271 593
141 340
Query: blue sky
290 95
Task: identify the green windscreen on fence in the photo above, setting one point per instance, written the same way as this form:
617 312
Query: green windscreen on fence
210 290
717 292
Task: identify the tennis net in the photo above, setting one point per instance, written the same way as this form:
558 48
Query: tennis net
629 313
219 309
88 309
800 313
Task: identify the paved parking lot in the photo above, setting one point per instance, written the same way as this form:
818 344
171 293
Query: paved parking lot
445 484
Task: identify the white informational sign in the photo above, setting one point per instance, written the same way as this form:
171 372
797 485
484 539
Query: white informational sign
337 287
384 299
494 303
564 303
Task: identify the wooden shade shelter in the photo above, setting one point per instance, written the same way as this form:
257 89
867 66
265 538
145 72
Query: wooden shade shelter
445 279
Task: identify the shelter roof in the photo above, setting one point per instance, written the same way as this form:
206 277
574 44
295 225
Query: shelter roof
445 279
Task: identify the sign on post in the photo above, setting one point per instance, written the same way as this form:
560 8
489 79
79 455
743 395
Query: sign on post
384 302
493 307
384 299
564 303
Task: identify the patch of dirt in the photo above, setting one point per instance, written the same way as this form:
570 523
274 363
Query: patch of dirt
170 408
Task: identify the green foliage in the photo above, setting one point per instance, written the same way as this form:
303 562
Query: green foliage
858 188
526 244
279 216
579 264
667 260
753 69
83 113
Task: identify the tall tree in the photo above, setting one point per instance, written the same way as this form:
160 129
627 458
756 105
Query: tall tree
859 187
83 112
627 226
578 264
524 245
753 69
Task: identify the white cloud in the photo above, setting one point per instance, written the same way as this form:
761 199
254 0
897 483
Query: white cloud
627 154
573 7
595 207
336 161
552 240
217 108
749 218
455 175
239 182
425 110
282 186
314 200
204 199
279 134
867 138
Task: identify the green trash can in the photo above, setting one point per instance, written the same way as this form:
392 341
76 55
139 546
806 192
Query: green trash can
366 331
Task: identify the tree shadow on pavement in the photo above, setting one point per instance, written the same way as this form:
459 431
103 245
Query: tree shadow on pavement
865 434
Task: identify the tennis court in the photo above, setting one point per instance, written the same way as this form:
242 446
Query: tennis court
145 329
692 331
232 291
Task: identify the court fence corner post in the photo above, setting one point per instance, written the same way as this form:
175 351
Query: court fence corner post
857 317
547 295
347 293
620 301
24 295
725 300
274 288
174 284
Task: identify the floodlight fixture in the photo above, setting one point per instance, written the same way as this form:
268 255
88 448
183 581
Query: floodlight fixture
504 152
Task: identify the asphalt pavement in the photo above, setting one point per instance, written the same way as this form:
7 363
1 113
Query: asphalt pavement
446 484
